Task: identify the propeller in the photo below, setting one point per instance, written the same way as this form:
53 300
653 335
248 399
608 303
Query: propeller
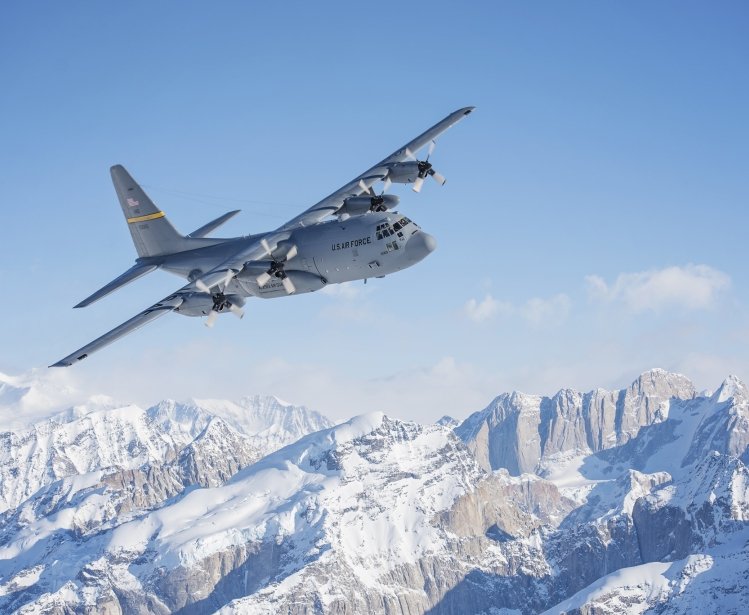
425 169
220 302
377 200
236 310
211 320
206 288
282 255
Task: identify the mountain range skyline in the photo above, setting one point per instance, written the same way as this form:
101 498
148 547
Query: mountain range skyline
40 391
635 498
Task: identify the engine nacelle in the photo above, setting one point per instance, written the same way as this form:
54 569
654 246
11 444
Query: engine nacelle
403 172
201 304
304 282
358 205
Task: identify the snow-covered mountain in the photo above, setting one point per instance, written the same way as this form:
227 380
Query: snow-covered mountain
103 435
517 431
607 502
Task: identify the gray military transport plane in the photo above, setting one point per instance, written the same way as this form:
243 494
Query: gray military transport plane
353 234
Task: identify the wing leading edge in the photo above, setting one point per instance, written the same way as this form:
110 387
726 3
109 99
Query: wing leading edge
136 322
333 202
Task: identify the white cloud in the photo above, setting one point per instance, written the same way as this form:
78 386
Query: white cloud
708 370
693 287
479 311
422 393
349 301
546 311
536 311
347 290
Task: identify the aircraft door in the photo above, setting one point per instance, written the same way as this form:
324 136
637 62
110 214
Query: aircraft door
320 265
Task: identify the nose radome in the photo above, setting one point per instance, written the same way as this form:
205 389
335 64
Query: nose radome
420 245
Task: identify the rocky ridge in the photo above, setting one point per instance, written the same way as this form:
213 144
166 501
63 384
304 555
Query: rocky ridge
639 501
518 431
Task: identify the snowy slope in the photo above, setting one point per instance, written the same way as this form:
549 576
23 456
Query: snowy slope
638 502
360 497
46 439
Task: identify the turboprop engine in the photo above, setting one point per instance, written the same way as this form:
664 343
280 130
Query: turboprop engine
202 304
358 205
414 171
303 281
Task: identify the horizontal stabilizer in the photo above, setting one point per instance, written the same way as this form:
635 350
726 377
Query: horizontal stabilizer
135 272
214 224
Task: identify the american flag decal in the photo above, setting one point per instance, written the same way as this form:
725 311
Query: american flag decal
132 202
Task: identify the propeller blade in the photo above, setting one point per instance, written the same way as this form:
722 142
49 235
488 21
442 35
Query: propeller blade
236 310
202 287
417 184
209 322
263 279
432 145
266 246
409 154
362 186
387 185
288 285
439 177
229 277
293 251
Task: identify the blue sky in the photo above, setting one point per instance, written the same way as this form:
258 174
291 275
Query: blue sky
593 224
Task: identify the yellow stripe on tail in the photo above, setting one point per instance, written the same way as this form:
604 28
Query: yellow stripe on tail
158 214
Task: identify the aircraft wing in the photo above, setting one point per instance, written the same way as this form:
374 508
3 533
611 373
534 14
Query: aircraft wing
152 313
219 276
356 186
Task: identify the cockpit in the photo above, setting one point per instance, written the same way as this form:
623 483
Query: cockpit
386 229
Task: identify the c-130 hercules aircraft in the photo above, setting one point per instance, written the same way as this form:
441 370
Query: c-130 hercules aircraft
353 234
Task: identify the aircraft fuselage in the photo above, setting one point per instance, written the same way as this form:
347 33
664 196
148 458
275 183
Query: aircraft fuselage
332 252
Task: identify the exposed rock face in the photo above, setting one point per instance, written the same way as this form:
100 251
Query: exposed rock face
381 516
506 434
107 437
516 431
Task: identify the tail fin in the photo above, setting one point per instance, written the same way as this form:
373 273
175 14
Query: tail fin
152 233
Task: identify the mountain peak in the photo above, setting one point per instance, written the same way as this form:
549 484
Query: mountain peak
662 383
448 421
731 387
357 427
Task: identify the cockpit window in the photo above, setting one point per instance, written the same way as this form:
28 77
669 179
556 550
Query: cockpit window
385 229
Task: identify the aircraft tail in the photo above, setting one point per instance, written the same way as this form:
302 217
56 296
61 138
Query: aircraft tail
153 234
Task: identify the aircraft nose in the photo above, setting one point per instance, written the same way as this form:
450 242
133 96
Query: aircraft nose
420 245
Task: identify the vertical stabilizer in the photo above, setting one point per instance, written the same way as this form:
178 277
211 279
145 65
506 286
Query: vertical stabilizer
152 233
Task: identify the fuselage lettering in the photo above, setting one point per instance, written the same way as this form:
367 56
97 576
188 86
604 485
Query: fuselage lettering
354 243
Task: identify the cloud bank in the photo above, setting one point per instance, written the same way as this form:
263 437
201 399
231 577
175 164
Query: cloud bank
536 311
692 287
